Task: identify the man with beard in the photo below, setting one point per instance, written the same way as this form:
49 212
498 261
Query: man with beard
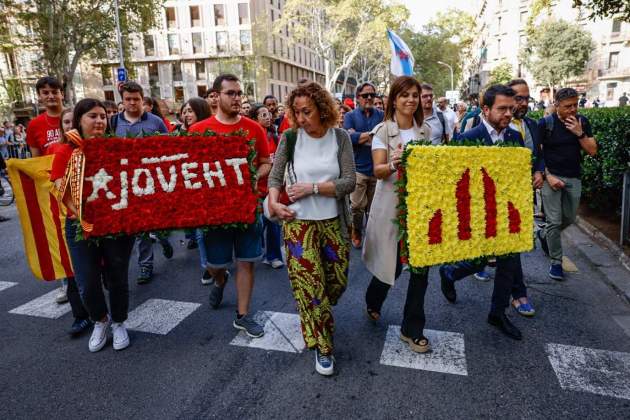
498 105
245 245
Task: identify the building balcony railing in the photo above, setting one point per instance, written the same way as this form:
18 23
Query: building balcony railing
619 36
614 72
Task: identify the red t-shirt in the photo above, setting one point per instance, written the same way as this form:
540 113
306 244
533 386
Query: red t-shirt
254 132
169 125
42 132
284 125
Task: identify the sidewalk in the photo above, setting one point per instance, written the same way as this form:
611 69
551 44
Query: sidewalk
592 246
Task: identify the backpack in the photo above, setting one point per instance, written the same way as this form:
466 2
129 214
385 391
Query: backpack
440 116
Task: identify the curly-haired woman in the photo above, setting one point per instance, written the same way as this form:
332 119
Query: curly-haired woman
315 229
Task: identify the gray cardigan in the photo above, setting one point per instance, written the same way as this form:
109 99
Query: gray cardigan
344 185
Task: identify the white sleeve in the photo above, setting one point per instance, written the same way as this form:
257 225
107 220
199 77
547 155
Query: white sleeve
377 143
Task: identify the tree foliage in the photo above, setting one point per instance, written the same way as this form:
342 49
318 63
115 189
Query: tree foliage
557 51
606 8
501 74
65 31
341 30
447 38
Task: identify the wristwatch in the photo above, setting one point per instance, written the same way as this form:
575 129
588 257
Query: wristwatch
581 136
315 189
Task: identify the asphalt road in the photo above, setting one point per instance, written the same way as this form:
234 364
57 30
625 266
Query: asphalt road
194 372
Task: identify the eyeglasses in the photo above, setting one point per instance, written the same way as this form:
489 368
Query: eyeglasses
233 93
522 98
367 95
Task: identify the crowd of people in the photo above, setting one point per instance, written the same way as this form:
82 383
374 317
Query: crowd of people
326 170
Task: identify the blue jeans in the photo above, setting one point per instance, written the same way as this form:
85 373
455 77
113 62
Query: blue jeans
222 245
92 261
273 240
202 248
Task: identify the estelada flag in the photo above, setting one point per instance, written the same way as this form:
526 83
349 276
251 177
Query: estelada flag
41 217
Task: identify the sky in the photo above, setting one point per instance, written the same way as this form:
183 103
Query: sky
422 11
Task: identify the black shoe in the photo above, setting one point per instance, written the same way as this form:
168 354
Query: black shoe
79 326
146 275
216 292
192 244
543 242
503 323
448 285
167 250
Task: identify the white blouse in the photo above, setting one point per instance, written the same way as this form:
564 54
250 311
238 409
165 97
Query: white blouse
315 161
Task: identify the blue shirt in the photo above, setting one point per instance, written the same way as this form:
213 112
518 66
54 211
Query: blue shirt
361 123
147 124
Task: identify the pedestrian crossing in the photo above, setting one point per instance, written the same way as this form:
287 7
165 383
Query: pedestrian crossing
594 371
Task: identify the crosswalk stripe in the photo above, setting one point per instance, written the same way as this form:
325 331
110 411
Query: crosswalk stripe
6 284
44 306
159 316
599 372
282 333
447 356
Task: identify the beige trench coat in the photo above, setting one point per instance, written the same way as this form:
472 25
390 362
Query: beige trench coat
380 247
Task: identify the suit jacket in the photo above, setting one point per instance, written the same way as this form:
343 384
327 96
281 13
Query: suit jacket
481 133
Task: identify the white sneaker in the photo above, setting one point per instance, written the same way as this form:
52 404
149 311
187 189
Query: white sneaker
206 278
62 294
324 365
121 338
98 339
277 264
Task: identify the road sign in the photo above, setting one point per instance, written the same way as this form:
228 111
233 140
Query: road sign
122 74
452 96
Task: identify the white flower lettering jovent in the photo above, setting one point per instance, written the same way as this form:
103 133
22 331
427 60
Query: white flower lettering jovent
143 181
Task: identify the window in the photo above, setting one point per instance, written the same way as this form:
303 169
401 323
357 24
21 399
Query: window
613 60
197 42
176 67
610 91
499 47
243 14
173 44
106 74
222 41
154 79
202 90
616 26
219 14
200 69
499 24
109 95
171 20
195 16
149 45
179 93
246 40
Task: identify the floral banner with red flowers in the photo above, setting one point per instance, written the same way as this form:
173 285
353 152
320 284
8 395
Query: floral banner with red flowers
134 185
463 202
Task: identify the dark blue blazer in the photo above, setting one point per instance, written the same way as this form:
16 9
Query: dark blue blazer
480 133
537 136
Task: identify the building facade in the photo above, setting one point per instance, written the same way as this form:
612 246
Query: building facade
199 39
502 34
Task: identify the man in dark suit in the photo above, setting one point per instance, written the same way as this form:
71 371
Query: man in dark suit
497 112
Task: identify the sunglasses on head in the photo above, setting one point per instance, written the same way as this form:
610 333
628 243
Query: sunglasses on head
367 95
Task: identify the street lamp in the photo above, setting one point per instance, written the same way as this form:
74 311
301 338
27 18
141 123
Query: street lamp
451 69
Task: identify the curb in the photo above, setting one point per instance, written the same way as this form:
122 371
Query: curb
594 233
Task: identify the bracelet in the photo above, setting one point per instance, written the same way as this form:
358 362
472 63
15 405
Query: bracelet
392 167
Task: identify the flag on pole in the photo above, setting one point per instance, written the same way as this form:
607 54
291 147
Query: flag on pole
402 59
41 217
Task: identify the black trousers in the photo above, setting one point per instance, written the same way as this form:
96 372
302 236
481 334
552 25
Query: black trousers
108 258
74 297
507 280
413 313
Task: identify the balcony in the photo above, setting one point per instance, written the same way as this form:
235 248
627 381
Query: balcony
613 73
619 36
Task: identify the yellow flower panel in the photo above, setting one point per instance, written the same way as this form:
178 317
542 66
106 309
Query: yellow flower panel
433 174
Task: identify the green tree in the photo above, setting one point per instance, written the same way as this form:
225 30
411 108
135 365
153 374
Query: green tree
501 74
447 38
557 51
66 31
340 30
606 8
